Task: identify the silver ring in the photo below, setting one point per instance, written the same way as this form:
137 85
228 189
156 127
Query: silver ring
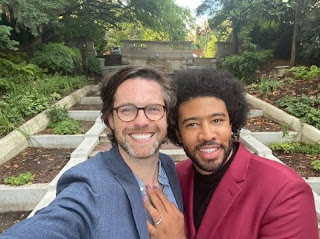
158 222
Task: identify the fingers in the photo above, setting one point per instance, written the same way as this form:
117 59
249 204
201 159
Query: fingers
155 215
159 200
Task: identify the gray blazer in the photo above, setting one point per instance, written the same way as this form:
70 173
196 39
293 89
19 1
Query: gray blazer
99 198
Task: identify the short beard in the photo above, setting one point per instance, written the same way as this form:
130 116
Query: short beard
130 151
210 168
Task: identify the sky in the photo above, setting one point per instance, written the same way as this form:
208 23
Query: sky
192 4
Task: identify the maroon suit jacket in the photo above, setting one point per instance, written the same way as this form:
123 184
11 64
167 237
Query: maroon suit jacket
256 198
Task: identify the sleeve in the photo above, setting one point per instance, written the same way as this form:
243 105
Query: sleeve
71 214
291 214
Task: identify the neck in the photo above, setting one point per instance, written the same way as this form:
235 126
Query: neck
147 169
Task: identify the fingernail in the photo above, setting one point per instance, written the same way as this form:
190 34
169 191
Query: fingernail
155 188
144 198
147 187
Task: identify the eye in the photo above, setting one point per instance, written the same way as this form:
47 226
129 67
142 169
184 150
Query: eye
154 109
191 125
216 121
127 109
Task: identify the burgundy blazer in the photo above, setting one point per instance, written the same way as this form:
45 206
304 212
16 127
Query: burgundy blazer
256 198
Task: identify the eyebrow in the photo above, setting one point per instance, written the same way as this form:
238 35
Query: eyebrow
198 118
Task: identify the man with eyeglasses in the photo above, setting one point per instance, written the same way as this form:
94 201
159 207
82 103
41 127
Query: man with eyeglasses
104 196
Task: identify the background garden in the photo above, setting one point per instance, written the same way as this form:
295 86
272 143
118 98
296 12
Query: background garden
43 57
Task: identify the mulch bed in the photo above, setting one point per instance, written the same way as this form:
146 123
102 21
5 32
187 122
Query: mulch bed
9 218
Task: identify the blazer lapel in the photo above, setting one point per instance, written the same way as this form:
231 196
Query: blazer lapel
221 202
125 177
186 178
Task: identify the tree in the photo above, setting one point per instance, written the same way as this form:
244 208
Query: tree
37 15
240 14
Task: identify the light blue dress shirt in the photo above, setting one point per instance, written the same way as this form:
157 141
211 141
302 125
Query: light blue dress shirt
164 181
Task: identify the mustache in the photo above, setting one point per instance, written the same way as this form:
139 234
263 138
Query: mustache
210 143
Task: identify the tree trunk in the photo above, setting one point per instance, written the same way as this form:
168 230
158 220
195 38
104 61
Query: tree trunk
295 34
235 42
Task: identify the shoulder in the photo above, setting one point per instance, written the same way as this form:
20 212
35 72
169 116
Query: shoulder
90 172
274 169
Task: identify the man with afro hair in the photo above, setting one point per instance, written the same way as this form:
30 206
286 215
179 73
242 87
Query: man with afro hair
229 192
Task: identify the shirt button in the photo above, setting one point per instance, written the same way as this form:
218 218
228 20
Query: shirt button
141 189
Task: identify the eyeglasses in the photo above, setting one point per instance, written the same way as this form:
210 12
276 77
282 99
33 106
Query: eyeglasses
128 113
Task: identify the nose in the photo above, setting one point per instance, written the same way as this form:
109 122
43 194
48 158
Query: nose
141 120
207 133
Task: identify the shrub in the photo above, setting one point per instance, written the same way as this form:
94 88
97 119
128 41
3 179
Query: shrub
56 57
57 114
245 66
93 65
68 127
20 70
303 73
306 108
60 121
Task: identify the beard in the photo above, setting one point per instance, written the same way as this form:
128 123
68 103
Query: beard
143 151
212 165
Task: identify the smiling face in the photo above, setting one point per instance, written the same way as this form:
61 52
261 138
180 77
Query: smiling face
205 133
140 138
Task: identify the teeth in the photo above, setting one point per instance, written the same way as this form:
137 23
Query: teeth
209 150
141 136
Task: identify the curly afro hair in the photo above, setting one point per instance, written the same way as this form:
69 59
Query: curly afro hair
209 82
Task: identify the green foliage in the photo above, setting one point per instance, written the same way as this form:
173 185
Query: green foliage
303 73
67 127
316 164
22 179
57 113
296 147
309 41
6 124
61 123
58 58
305 108
20 71
5 42
268 86
93 65
25 98
29 102
211 47
245 66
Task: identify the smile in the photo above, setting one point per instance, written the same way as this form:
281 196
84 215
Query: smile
209 150
141 136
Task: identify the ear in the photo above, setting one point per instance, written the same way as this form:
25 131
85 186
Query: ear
110 120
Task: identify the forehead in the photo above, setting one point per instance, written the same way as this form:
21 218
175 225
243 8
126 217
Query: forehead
139 91
202 107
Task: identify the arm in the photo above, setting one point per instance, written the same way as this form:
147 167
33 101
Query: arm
172 220
291 214
69 215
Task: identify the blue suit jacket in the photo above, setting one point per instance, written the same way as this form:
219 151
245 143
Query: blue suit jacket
99 198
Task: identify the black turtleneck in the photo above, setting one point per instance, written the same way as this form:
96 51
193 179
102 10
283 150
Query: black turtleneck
204 187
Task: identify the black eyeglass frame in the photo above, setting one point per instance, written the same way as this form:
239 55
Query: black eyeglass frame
138 109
